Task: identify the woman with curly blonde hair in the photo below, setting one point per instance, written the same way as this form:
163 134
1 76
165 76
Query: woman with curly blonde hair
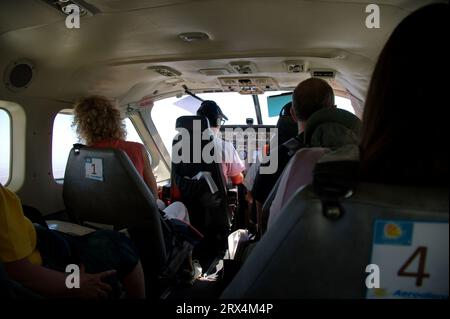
99 124
97 119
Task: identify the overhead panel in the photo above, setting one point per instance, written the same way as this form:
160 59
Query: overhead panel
249 85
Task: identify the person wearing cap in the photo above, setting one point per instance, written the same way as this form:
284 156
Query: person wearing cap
232 165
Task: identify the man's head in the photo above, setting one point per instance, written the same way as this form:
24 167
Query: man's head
310 96
212 112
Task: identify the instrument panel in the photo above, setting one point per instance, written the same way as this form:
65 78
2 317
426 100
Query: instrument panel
248 140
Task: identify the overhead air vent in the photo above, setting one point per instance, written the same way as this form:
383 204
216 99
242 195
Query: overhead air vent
19 75
323 73
193 36
244 67
63 6
214 72
296 66
164 70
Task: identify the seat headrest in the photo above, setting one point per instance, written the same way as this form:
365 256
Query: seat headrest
332 127
187 122
287 128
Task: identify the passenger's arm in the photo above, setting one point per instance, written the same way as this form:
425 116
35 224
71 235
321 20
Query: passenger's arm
149 178
48 282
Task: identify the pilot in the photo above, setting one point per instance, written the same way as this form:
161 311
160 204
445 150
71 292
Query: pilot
232 165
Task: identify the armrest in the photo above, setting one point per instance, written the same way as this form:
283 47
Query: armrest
69 228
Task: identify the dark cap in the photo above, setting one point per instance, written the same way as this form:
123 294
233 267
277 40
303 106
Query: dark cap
211 109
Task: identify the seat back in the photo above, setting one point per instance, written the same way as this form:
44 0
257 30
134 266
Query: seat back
102 186
322 249
208 210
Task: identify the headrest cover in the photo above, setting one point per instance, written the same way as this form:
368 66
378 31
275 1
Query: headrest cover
211 109
332 127
286 125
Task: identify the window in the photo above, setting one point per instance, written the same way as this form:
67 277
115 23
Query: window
64 136
341 102
235 106
132 134
5 147
344 103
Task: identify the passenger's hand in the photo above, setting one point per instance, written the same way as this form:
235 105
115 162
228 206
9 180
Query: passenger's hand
91 285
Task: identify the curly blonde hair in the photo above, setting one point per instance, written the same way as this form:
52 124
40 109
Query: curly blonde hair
96 118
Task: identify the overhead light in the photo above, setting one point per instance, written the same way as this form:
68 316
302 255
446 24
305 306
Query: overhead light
323 73
193 36
296 66
244 67
164 70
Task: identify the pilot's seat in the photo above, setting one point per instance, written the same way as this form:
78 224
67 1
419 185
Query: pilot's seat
199 183
102 186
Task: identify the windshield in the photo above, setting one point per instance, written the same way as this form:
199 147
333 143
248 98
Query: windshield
237 107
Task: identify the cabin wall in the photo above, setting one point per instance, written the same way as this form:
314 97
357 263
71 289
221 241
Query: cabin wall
38 189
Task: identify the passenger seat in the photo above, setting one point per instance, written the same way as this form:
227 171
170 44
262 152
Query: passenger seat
102 186
329 232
